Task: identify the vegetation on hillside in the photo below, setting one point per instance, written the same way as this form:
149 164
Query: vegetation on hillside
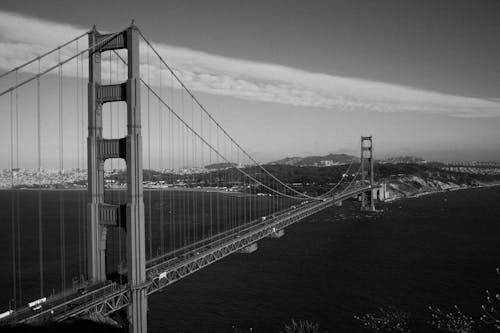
454 320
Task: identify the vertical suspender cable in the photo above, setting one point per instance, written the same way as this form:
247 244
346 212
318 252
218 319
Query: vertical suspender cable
217 176
245 198
78 162
210 179
184 164
259 199
39 153
185 172
193 198
268 202
160 151
61 171
229 184
226 197
111 117
171 165
252 192
233 173
12 208
184 196
232 182
202 194
179 197
149 160
82 150
250 197
18 216
240 184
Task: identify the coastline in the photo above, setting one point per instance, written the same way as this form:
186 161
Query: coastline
452 189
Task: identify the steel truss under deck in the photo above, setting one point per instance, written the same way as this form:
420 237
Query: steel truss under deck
113 297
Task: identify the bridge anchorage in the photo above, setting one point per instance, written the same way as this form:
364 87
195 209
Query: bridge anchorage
236 205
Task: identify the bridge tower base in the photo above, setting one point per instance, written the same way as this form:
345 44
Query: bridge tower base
249 249
277 234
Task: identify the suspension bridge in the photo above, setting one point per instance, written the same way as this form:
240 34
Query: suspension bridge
99 212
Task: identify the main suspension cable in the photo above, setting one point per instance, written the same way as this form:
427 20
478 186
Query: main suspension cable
50 69
213 148
43 55
217 124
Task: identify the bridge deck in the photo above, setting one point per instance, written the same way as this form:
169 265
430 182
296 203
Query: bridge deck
107 297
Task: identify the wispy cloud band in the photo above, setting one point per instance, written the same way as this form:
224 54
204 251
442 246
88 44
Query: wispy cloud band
22 38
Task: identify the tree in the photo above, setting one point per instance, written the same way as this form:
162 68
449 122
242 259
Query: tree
303 326
491 314
390 320
455 322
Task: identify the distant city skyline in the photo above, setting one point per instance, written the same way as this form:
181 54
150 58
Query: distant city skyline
295 79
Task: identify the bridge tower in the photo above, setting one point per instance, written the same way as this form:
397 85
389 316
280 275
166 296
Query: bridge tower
367 201
101 215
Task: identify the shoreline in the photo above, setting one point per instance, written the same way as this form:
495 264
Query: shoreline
421 194
223 191
173 189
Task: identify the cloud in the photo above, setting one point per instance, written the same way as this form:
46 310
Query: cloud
22 38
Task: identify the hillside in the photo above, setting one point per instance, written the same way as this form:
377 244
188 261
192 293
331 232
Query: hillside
403 159
217 166
327 160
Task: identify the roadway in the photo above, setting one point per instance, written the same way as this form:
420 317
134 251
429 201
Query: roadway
107 297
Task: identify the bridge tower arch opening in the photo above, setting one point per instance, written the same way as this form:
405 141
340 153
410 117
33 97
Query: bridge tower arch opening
129 216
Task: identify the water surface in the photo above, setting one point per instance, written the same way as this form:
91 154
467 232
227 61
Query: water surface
440 250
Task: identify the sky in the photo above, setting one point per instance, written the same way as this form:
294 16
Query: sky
295 78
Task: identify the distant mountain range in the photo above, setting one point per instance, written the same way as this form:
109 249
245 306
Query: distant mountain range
324 161
337 159
327 160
